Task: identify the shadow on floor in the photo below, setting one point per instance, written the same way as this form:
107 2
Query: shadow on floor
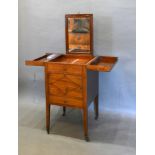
109 128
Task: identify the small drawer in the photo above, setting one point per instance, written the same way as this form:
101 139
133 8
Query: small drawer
73 69
64 68
55 68
56 100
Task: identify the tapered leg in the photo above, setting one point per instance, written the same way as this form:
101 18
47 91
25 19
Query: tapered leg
48 118
64 111
96 107
85 123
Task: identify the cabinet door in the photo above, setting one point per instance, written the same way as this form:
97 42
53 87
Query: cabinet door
102 63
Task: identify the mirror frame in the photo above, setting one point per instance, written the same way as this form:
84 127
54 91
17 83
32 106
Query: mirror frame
90 16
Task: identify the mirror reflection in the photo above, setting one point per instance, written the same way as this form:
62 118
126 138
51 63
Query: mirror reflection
79 34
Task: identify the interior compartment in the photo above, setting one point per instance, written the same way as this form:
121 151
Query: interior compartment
102 63
72 59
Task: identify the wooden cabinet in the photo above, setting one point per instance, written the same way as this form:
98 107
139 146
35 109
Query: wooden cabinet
71 79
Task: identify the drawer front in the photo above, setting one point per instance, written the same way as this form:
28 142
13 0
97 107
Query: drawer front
64 68
65 85
65 101
73 69
55 68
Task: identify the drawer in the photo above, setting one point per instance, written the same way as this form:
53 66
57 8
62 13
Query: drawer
55 68
73 69
64 68
57 100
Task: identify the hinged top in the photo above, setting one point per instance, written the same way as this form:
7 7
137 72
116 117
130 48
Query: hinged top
79 33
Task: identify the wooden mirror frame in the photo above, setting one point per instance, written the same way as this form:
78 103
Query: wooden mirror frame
90 16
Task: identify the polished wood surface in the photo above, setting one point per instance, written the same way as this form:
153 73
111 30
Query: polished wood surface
41 60
102 63
71 79
94 63
65 86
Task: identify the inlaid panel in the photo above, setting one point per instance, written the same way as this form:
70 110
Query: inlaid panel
65 85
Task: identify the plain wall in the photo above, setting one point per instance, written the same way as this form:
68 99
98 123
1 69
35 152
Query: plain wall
42 29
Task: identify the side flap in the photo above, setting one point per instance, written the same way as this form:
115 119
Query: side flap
102 63
41 60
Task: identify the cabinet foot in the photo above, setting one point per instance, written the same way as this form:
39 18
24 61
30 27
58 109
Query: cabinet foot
64 111
96 107
96 117
48 118
48 131
87 139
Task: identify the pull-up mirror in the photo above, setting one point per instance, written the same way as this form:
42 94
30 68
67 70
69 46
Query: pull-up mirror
79 33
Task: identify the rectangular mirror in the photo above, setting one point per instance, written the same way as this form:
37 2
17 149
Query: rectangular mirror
79 33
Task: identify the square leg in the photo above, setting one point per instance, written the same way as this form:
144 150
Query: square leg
64 111
96 107
85 123
48 118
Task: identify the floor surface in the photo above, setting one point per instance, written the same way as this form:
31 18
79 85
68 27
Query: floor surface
112 134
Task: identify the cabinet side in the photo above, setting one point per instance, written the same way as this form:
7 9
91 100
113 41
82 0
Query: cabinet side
92 85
